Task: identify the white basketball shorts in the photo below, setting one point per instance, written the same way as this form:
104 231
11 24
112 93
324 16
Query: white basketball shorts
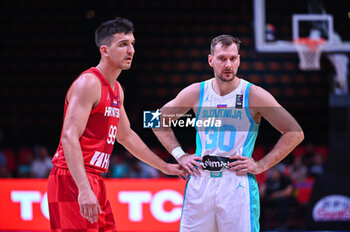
220 202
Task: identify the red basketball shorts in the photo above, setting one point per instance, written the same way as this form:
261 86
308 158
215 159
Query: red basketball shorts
64 207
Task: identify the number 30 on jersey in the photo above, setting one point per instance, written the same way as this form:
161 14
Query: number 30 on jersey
223 137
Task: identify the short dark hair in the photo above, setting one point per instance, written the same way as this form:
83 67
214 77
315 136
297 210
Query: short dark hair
104 33
225 40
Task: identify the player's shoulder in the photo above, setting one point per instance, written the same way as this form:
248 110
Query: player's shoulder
187 97
85 83
87 80
192 89
259 96
256 90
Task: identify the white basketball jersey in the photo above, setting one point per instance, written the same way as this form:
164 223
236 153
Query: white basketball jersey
220 200
237 132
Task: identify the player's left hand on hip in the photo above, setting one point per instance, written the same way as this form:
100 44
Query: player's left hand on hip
176 170
243 165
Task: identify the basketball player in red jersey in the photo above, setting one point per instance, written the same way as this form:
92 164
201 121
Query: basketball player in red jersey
94 116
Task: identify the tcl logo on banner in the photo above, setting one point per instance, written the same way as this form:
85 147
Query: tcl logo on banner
146 205
138 204
26 199
136 200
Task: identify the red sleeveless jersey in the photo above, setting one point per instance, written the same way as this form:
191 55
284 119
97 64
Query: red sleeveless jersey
99 135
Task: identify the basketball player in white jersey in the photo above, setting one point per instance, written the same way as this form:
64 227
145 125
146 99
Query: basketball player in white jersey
222 193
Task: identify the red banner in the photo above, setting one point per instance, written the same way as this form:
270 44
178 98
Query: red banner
138 204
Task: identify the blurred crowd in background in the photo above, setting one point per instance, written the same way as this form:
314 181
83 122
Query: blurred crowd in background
35 162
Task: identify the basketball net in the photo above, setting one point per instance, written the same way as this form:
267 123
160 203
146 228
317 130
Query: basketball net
309 51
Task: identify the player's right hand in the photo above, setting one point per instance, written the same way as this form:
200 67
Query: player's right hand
189 162
176 170
89 205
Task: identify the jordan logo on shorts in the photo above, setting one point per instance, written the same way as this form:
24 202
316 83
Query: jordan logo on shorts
240 185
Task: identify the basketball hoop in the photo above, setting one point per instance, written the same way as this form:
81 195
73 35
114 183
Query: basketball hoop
309 51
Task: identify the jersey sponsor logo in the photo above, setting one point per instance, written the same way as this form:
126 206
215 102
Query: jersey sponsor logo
239 101
100 159
215 163
112 112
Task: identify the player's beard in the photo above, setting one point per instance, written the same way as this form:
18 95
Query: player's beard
222 78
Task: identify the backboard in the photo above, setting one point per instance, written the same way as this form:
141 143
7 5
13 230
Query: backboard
278 23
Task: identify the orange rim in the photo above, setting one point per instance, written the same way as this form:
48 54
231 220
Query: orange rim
311 43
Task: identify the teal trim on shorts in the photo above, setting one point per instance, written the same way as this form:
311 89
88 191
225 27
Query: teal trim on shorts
183 202
198 138
254 203
248 151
